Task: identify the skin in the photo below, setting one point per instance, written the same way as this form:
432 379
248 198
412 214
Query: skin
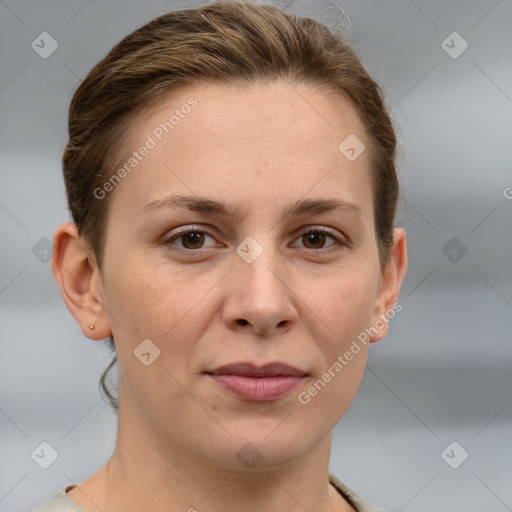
263 148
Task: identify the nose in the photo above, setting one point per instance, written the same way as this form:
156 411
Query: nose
260 297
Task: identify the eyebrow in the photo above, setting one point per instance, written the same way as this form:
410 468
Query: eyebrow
213 207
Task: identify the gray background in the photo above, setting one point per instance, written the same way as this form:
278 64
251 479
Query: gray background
443 372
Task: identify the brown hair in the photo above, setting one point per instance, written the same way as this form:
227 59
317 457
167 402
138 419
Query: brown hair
229 42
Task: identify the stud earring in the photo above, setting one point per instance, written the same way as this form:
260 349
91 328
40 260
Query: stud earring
92 327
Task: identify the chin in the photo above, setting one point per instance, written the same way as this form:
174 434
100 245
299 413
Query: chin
260 447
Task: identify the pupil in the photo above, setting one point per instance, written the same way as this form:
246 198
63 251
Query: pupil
194 238
315 238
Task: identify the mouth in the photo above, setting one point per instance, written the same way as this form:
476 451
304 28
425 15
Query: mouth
257 383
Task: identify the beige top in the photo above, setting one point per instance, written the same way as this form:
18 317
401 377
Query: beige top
60 502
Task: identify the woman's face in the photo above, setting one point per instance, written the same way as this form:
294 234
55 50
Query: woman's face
207 257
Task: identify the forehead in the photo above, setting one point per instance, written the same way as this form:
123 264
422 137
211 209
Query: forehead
244 112
268 140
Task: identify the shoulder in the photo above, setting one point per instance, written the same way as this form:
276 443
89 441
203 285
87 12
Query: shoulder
359 504
59 502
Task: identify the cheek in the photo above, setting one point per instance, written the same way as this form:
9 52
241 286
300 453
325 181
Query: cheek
327 396
158 303
151 298
342 304
339 311
153 305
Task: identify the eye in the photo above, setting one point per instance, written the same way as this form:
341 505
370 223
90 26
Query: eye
315 238
194 238
190 239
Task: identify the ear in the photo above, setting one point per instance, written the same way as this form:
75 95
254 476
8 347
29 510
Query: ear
79 281
392 278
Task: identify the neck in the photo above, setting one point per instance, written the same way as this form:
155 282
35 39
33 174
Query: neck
147 472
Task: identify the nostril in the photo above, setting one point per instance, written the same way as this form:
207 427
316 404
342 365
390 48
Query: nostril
242 322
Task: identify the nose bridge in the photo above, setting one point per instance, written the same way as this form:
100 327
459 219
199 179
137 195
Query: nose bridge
259 295
259 264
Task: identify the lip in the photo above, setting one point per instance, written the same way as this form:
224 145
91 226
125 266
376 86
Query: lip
257 383
245 369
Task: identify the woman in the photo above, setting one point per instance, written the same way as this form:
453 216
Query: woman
230 173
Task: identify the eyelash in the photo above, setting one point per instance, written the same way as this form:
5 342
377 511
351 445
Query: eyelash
338 242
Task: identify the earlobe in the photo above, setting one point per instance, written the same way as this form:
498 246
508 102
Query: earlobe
79 282
385 305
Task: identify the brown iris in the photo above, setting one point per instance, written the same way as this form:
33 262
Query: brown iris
193 240
314 238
